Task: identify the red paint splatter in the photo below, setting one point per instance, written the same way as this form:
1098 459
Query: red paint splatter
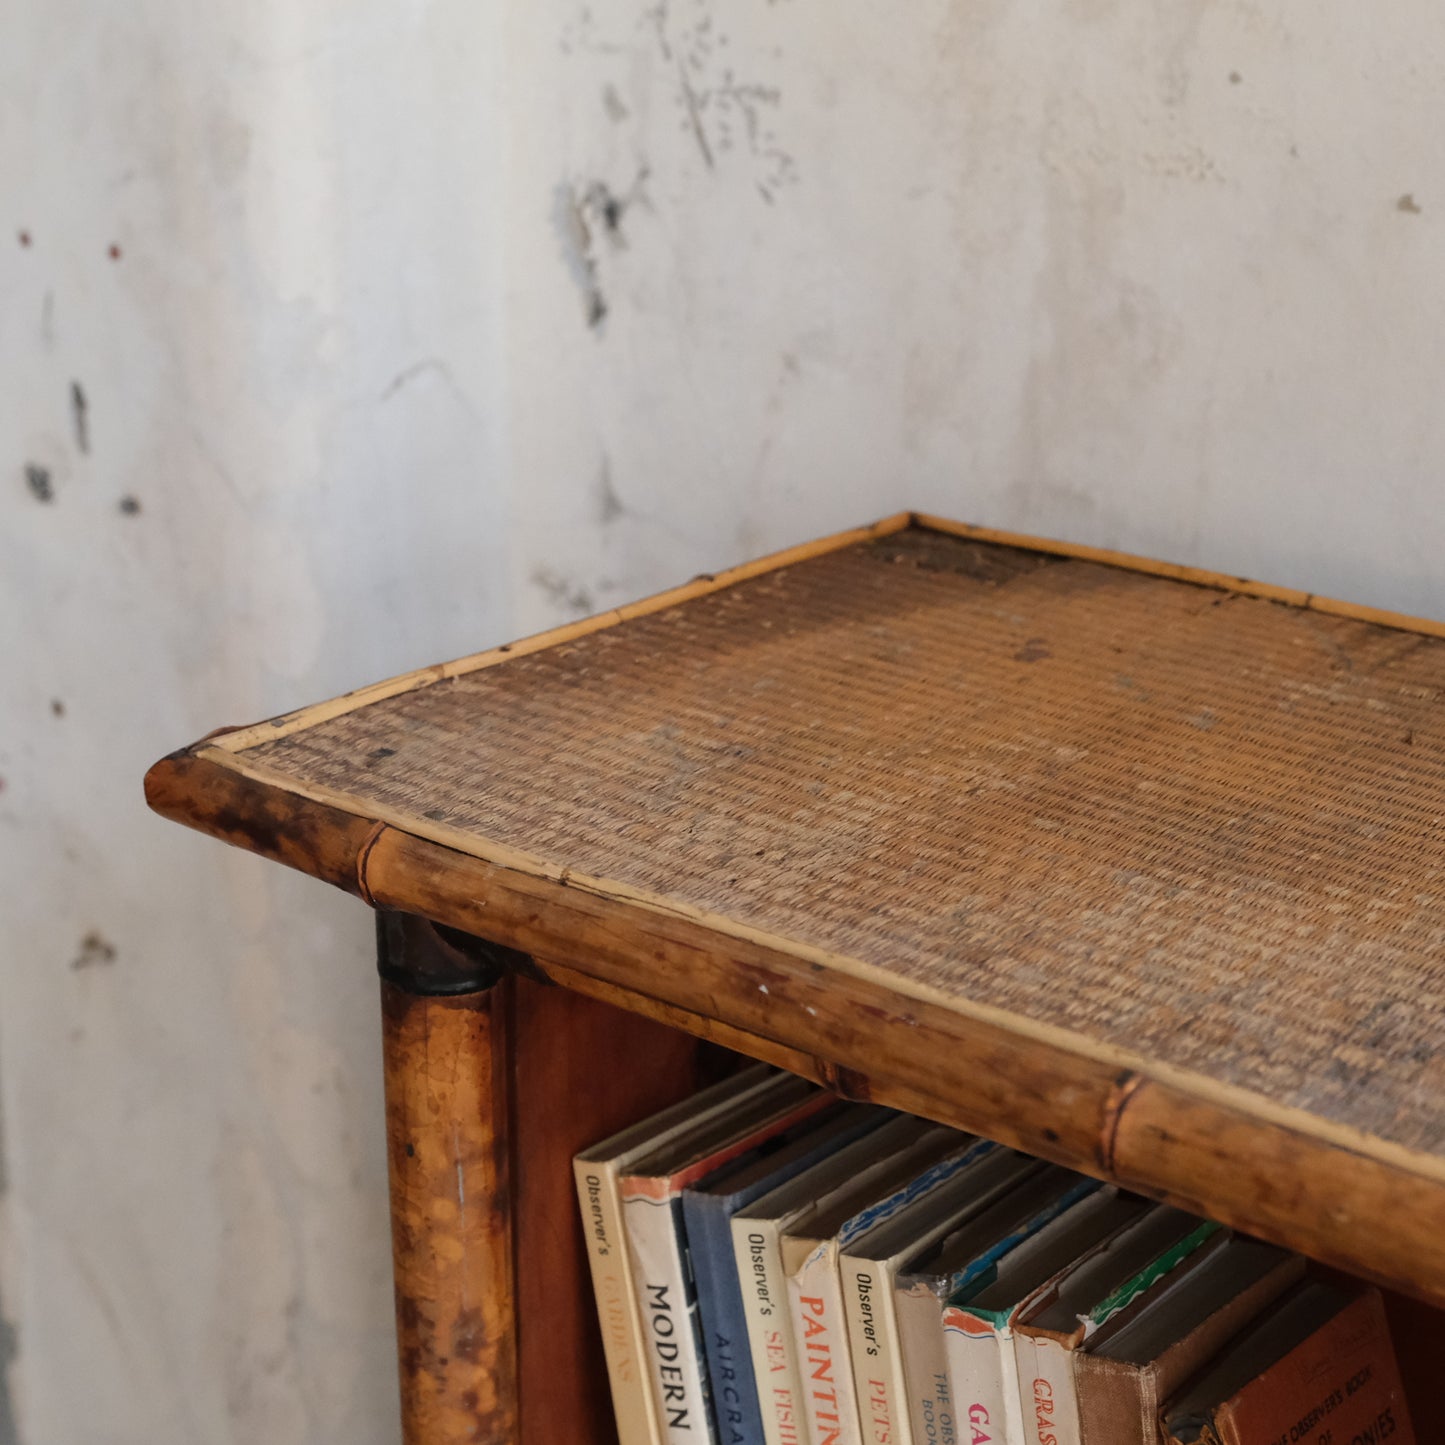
24 238
114 252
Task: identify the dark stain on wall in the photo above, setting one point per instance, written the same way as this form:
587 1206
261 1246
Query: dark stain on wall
9 1335
583 215
563 591
37 478
95 951
9 1351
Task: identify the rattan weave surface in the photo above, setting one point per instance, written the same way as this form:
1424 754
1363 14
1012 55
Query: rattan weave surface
1200 826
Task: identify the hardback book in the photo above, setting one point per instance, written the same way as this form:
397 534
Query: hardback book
929 1279
597 1171
652 1219
757 1246
868 1268
978 1319
1317 1365
810 1247
708 1208
1127 1369
1058 1320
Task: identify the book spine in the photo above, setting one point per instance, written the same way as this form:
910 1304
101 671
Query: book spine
1047 1398
830 1403
668 1305
1116 1401
931 1413
759 1259
984 1377
616 1296
736 1413
1009 1369
873 1347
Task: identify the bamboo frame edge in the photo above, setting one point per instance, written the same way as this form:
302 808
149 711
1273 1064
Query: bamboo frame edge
1179 572
1189 1085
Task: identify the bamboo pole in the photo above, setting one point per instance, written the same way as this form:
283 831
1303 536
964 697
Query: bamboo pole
445 1047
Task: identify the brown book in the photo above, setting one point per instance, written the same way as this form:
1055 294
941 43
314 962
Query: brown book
1127 1369
1055 1324
1317 1365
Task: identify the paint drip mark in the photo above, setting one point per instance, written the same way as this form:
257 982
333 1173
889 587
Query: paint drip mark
693 107
570 219
38 479
609 505
80 417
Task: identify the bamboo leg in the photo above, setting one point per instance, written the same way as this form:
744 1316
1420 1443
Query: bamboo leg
446 1046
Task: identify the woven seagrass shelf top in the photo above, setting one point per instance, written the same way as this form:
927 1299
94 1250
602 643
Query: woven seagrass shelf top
1139 868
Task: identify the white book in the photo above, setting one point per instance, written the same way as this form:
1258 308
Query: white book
978 1326
810 1249
868 1268
652 1220
597 1171
757 1245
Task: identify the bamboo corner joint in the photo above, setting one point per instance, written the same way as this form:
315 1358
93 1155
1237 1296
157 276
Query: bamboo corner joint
430 960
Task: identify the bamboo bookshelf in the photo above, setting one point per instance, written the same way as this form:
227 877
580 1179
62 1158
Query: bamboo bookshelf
1135 867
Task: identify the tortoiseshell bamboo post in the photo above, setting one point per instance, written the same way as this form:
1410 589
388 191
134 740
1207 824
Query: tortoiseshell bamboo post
444 1019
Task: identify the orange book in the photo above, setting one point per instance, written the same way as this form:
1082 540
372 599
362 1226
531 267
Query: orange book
1317 1366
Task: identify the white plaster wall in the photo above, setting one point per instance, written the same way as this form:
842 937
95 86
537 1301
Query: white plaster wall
435 322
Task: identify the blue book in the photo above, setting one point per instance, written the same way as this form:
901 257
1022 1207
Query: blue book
708 1208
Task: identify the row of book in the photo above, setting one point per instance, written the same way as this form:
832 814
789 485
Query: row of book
775 1267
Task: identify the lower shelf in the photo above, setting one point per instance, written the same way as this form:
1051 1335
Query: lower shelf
583 1069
